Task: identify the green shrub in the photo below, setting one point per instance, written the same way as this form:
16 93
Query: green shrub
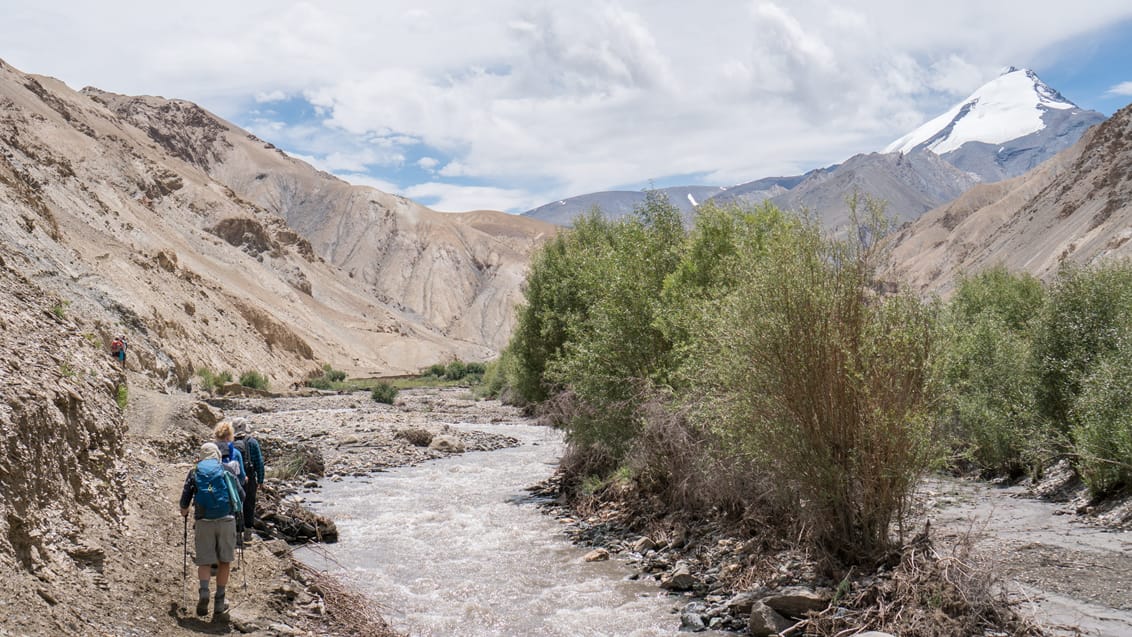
987 387
436 370
121 396
823 384
327 379
210 382
455 370
474 369
384 393
253 379
1102 430
986 381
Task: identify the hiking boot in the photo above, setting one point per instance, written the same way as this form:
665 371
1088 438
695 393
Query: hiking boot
220 609
247 535
202 607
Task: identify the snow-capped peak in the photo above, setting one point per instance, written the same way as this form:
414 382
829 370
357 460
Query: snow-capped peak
1008 107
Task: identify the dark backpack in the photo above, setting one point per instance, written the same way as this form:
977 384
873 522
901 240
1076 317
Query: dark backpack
242 445
213 492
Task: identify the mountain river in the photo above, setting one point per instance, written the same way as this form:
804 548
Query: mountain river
457 547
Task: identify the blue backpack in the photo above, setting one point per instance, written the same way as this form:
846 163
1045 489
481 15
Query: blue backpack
215 489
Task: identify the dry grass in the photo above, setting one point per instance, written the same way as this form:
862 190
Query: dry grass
928 594
347 612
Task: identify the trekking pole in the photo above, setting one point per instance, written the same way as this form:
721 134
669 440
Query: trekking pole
243 573
184 561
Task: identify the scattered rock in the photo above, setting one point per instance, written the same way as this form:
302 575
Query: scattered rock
447 444
681 579
644 544
765 621
797 601
597 555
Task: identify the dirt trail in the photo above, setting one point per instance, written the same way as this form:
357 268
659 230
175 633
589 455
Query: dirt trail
1076 578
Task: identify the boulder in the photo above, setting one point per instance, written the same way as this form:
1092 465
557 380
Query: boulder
741 603
447 444
643 544
797 601
680 579
765 621
205 414
597 555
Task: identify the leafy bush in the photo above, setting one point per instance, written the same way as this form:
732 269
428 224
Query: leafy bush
436 369
1102 430
823 384
986 379
1080 323
327 379
455 370
122 397
384 393
254 379
210 381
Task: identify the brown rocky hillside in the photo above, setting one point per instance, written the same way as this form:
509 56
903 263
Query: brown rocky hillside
118 207
1076 207
459 273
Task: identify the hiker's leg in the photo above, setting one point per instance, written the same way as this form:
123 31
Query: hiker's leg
222 573
249 503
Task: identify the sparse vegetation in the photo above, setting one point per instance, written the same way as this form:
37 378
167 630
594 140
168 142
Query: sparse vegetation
254 380
330 378
121 396
60 309
210 381
384 393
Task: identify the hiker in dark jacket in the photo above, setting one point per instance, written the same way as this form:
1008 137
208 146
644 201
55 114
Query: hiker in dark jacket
214 532
249 447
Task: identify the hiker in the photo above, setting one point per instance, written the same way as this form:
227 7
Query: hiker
212 490
249 448
231 457
118 349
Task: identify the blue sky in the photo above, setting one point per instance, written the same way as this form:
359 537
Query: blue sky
510 104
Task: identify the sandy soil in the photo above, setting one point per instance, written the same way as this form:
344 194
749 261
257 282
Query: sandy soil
1071 573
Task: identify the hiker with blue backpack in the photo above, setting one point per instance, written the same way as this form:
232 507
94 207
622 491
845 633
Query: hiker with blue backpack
231 457
213 490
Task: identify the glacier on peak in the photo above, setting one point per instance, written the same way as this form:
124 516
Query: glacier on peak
1008 107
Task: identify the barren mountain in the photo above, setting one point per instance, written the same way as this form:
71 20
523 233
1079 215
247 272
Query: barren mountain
124 215
459 273
1075 207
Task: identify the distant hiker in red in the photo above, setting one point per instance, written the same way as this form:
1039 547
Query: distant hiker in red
214 492
118 349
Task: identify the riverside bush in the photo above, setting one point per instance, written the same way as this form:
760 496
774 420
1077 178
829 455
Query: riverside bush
985 375
384 393
210 381
1102 429
823 383
1086 312
253 379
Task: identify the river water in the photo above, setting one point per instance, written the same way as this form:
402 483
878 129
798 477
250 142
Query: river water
457 547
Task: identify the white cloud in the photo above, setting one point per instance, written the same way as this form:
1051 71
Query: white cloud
1124 88
270 96
557 99
453 198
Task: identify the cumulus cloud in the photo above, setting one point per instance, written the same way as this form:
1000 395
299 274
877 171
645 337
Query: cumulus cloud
556 99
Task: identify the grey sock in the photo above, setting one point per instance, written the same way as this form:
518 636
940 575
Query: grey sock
219 591
204 589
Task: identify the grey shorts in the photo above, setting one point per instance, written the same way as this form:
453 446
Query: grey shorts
215 540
